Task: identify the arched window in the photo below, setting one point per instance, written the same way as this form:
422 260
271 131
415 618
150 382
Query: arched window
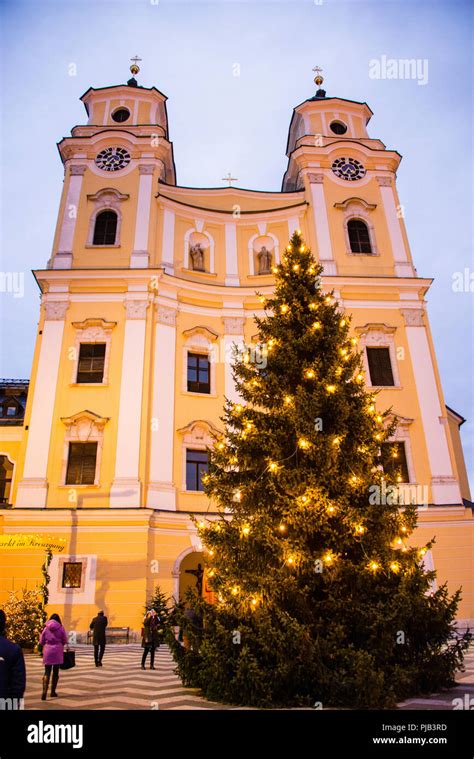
359 237
105 229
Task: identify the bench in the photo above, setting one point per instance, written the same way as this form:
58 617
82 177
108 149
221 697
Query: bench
113 635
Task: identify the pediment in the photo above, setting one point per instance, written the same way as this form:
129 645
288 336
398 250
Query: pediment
85 417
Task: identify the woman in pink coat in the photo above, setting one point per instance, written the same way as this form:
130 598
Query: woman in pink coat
53 639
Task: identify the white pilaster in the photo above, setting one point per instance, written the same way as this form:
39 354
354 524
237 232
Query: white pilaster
139 257
231 259
233 333
168 241
403 267
63 256
33 488
125 489
444 485
293 225
323 236
161 491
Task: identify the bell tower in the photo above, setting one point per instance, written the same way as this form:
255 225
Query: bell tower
112 166
350 178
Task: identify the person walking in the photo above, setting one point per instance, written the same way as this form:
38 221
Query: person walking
98 626
150 637
12 665
53 639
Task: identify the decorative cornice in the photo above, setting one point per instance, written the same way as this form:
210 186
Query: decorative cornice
233 325
86 415
55 310
203 423
77 170
356 202
136 309
384 181
96 322
209 334
166 315
315 178
413 317
146 168
402 421
375 327
105 192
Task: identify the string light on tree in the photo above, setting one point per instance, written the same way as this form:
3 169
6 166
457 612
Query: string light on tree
304 444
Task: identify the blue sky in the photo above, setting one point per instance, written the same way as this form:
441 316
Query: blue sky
220 122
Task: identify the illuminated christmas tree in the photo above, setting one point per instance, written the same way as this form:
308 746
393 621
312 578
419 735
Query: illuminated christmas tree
26 616
319 596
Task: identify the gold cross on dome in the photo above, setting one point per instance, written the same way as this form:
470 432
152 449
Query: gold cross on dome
229 178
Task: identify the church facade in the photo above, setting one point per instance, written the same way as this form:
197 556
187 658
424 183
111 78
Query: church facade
149 286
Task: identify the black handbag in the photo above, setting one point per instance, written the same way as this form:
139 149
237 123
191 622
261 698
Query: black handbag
69 659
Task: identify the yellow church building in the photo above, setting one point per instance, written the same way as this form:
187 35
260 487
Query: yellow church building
149 286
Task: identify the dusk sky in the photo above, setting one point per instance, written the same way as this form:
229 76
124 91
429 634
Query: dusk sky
220 122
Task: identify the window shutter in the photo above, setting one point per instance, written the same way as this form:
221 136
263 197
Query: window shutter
89 463
81 464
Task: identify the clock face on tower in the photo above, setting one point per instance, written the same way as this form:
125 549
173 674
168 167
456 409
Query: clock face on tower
348 168
112 159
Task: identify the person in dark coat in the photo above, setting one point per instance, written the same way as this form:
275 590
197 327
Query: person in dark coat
53 639
98 626
12 665
150 636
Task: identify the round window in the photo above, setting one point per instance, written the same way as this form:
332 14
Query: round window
338 127
121 115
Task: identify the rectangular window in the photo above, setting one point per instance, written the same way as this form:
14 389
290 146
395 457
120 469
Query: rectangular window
394 460
198 373
81 464
197 464
90 367
380 367
72 574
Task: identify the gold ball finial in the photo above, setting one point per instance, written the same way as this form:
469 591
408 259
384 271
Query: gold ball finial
318 79
135 68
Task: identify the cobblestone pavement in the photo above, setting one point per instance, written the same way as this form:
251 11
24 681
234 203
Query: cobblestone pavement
121 684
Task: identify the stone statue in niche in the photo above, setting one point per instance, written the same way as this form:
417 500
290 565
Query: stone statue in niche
197 257
264 258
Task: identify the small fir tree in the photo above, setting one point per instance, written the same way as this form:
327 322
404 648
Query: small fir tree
162 604
26 617
319 595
